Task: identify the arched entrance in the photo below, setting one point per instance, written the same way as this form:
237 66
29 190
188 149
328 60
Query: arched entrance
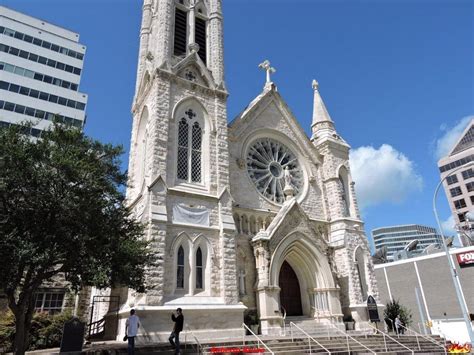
290 296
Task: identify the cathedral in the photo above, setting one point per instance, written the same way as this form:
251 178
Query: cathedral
247 215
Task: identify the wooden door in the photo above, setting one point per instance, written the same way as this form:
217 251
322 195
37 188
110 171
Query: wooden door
290 296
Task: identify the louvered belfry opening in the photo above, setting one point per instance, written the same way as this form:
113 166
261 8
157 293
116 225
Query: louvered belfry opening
200 38
180 26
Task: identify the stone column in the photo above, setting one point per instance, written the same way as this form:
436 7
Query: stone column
191 27
216 42
267 294
144 35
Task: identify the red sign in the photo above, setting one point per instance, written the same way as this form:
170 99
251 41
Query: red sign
466 259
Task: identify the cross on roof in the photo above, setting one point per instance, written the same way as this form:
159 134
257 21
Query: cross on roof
270 70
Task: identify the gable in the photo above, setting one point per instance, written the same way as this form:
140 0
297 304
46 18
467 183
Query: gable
268 111
192 73
193 69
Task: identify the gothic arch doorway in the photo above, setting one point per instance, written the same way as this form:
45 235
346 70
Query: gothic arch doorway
290 295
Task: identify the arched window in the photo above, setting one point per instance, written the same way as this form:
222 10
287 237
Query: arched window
180 268
140 155
344 191
360 266
199 284
189 165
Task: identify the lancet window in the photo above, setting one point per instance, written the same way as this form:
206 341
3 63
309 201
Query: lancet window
189 157
180 268
199 284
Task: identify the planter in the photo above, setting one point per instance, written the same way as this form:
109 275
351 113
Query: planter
349 325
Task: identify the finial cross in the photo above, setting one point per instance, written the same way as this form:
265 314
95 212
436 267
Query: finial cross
266 66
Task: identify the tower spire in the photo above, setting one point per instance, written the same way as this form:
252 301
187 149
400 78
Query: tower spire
322 125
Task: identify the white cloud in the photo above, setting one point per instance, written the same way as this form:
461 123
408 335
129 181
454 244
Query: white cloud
383 175
445 143
448 226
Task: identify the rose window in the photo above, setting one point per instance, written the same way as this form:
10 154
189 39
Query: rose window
267 163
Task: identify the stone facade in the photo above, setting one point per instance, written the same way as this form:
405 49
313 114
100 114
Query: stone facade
226 206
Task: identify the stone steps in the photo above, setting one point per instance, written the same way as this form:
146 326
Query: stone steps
337 345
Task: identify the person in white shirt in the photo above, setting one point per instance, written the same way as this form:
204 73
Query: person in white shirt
131 329
398 325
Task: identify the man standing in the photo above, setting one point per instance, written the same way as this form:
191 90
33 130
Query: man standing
131 329
178 320
398 325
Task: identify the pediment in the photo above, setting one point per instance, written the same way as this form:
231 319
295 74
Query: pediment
193 69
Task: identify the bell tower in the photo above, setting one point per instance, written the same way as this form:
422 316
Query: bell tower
179 167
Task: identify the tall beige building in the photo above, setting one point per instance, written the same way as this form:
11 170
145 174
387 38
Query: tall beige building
459 185
251 215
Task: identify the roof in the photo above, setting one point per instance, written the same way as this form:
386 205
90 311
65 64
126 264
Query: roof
465 141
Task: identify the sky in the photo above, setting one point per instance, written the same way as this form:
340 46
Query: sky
396 77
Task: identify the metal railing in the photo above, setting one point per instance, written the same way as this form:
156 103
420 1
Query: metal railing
260 341
424 337
198 344
388 336
96 328
352 338
309 338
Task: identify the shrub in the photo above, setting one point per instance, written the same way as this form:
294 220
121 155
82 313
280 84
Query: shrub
251 317
394 308
46 330
7 331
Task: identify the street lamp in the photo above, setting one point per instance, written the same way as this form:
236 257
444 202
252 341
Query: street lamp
452 267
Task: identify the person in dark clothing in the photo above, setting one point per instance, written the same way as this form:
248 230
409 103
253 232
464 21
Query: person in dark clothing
178 319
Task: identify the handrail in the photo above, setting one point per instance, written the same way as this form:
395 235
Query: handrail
386 335
348 336
309 337
200 351
424 337
96 327
256 336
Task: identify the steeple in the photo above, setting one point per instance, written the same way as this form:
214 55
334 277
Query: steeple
322 125
172 31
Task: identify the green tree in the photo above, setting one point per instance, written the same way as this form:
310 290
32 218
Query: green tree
394 308
62 213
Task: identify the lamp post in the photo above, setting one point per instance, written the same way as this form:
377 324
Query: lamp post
452 267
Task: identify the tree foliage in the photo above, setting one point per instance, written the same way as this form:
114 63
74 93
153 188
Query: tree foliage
62 213
46 330
393 309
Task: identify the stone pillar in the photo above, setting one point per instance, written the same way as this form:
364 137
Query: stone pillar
267 294
163 33
216 42
191 27
144 35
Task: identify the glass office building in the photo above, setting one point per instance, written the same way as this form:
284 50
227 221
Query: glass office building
396 238
40 72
